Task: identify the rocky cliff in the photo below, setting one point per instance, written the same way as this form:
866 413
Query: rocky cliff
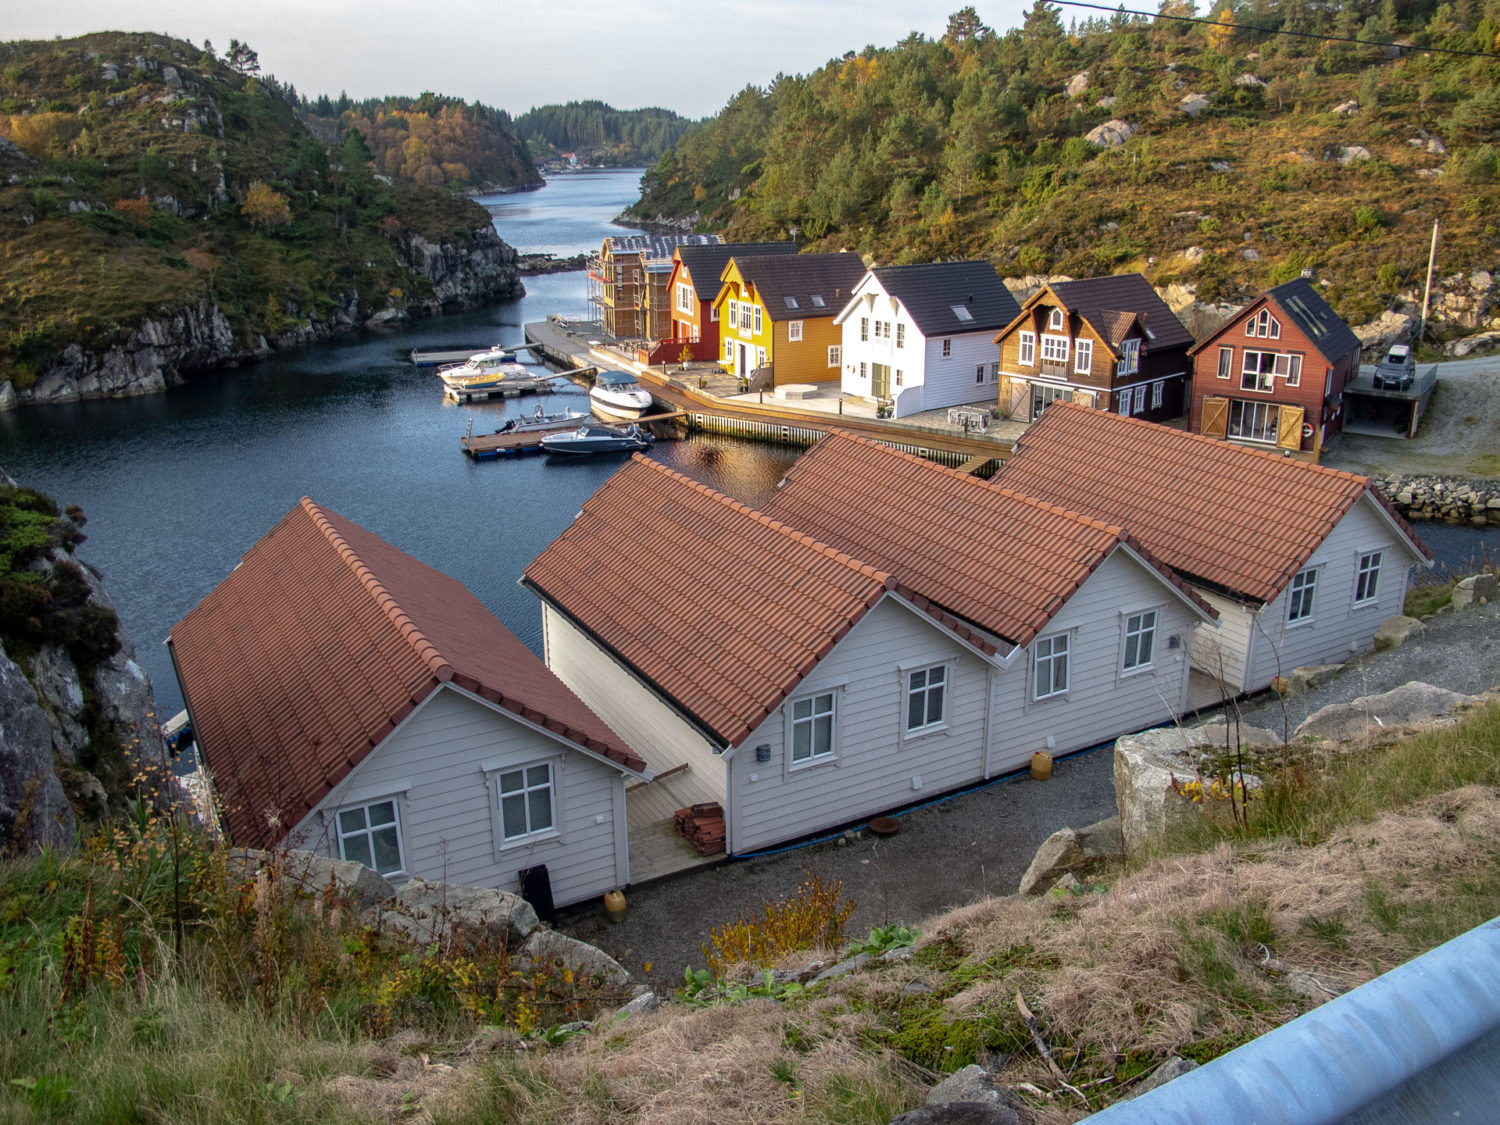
451 274
77 717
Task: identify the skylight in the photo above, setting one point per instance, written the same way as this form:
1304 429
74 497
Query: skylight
962 312
818 302
791 302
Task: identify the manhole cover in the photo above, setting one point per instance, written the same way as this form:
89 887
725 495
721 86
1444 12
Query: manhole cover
885 826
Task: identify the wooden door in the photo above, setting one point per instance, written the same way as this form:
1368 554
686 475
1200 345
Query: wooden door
1215 418
880 380
1289 427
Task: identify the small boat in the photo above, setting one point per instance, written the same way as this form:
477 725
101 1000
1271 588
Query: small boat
595 437
616 394
540 420
484 371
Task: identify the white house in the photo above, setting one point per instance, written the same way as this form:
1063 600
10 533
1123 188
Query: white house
924 632
922 336
1301 562
350 700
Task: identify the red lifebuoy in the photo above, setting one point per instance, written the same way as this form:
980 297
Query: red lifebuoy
1307 430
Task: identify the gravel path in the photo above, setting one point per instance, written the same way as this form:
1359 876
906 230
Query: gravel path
979 844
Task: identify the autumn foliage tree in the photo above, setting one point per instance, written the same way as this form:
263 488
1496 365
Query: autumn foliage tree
266 207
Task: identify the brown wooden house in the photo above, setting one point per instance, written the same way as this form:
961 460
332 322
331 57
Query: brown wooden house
1275 373
1106 342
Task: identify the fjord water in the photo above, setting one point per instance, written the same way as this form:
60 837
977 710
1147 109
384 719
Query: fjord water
177 487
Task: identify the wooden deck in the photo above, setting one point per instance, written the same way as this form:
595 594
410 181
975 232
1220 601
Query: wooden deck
655 847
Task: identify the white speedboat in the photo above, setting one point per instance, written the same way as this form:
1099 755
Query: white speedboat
484 371
540 420
616 394
595 437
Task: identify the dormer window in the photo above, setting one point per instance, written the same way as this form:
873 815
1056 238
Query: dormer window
1055 320
1263 324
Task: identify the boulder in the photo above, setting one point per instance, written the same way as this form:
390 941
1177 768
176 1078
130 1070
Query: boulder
1477 589
1385 329
1347 109
1396 631
1193 104
1352 154
1103 840
1059 853
1375 714
428 911
1174 1067
971 1084
959 1113
1106 102
1078 83
1112 134
848 965
1250 81
582 958
642 1005
310 873
1310 677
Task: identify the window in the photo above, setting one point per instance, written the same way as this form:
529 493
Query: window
1156 394
1130 357
713 314
371 834
962 313
926 697
791 303
728 352
994 373
1028 349
817 300
901 335
812 728
526 807
1140 400
1253 421
1289 368
1299 605
794 330
760 357
863 370
1125 396
685 298
745 318
1258 371
1055 349
1083 356
979 374
734 314
1050 665
833 355
1263 324
864 328
947 348
1367 580
1226 362
899 378
1140 640
757 320
1055 319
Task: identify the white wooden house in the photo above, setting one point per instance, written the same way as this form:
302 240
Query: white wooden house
1302 562
922 337
806 686
350 700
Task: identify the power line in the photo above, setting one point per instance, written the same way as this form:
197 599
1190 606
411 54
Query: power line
1278 31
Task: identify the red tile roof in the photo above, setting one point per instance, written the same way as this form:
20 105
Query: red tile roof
1002 562
722 610
1242 520
319 643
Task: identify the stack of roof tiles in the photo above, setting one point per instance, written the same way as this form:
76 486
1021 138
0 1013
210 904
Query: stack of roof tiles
702 826
316 647
1229 517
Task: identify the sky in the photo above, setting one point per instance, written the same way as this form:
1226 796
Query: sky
686 55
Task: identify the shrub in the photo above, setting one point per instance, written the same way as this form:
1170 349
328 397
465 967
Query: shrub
814 916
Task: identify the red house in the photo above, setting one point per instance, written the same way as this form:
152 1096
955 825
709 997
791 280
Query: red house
1275 373
695 283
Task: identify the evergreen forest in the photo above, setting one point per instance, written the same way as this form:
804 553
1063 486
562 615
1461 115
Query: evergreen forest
600 134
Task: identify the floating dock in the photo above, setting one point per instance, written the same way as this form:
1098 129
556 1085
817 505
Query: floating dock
491 447
511 388
439 354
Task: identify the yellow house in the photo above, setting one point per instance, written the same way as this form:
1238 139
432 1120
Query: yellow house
776 314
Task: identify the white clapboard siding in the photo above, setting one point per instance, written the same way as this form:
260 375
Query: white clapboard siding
1102 702
1338 627
435 764
1219 648
649 727
874 766
950 380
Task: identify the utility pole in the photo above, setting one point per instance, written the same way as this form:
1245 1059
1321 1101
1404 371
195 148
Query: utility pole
1427 292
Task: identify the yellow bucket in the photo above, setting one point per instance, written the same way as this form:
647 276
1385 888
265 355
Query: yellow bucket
614 906
1041 766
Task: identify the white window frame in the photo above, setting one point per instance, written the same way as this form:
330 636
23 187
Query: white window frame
1301 596
496 775
834 353
760 357
1267 414
1226 362
734 314
1083 356
369 830
947 347
864 330
1027 344
1130 357
1262 376
1288 368
1263 325
728 351
685 298
900 335
910 688
1135 627
994 373
1055 320
1158 391
794 331
864 370
812 699
1059 650
757 319
979 373
1367 566
1054 348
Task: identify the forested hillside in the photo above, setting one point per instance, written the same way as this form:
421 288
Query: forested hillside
600 134
433 140
1233 159
145 181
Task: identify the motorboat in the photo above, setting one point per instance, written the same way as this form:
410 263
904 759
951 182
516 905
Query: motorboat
616 394
595 437
540 420
484 371
1397 369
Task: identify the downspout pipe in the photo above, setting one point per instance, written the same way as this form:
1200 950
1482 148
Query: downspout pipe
1425 1035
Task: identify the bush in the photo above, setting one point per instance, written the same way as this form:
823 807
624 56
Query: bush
813 917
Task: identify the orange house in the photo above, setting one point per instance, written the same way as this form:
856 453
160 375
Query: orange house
695 283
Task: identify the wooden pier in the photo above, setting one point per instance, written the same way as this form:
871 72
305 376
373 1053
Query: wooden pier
511 388
491 447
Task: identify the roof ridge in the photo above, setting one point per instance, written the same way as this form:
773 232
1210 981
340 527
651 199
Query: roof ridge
410 632
841 557
1042 505
1218 444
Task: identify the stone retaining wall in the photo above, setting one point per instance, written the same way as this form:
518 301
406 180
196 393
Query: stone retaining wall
1452 500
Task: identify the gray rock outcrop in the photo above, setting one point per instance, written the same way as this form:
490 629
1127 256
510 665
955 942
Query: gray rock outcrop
1193 104
433 911
585 960
1374 715
34 809
1477 589
1396 631
970 1096
310 873
1112 134
1072 852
